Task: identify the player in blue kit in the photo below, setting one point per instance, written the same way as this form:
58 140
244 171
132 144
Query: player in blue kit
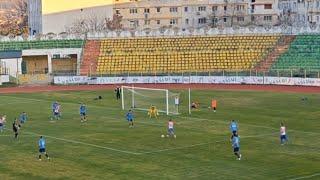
233 128
236 145
42 148
130 117
23 117
83 112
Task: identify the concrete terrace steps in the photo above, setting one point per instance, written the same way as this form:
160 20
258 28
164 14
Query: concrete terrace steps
280 48
91 53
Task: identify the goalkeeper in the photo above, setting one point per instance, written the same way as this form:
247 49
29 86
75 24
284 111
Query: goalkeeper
153 112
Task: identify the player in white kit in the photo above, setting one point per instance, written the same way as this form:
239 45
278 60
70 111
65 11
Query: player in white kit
171 129
2 121
176 103
283 135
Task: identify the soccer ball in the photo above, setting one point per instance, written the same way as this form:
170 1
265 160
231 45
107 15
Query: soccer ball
162 136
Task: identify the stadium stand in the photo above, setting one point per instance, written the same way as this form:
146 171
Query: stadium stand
182 54
281 47
34 79
91 53
43 44
303 53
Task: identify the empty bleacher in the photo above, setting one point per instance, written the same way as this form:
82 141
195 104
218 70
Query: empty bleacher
304 53
43 44
183 54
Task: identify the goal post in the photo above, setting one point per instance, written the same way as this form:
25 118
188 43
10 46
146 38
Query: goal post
143 98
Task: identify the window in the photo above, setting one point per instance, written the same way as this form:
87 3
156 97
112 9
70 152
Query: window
146 22
185 9
158 21
253 1
133 11
173 9
187 21
268 6
240 19
224 19
240 7
134 23
225 8
173 21
267 18
214 8
158 9
214 20
202 20
146 10
117 11
202 8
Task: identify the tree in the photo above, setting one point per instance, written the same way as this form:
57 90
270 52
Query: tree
114 23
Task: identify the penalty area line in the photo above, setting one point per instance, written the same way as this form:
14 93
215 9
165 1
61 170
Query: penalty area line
202 144
83 143
306 177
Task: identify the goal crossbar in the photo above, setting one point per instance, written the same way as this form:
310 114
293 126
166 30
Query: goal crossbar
141 98
143 88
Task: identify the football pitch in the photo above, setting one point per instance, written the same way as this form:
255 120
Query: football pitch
106 148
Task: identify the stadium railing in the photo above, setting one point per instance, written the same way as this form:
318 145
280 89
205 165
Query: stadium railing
303 73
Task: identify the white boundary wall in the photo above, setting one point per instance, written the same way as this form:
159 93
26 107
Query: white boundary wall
66 80
4 79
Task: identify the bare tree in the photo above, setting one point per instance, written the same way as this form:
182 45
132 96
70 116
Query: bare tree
94 24
14 21
114 23
89 24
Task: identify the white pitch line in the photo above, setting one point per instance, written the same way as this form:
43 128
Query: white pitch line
87 144
253 125
13 136
306 177
186 117
201 144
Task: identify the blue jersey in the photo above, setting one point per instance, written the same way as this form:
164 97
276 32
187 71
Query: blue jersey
129 116
233 127
23 117
54 105
42 143
236 142
83 109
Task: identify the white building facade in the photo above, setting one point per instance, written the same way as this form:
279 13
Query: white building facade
35 16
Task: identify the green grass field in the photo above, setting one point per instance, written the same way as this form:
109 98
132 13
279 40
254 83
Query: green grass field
105 148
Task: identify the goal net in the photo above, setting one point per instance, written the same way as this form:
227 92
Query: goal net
143 98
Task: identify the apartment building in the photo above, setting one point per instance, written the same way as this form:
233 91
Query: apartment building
301 11
142 14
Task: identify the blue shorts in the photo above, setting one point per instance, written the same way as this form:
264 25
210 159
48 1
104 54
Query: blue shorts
56 113
1 124
283 137
130 120
236 149
83 114
42 150
170 130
